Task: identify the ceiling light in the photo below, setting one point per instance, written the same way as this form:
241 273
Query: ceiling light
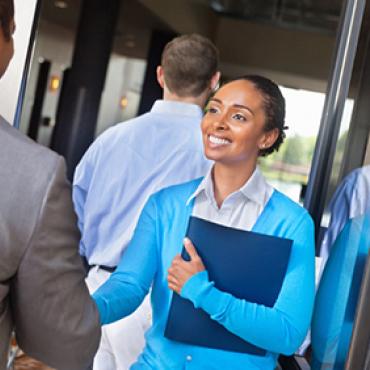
130 44
61 4
54 83
123 102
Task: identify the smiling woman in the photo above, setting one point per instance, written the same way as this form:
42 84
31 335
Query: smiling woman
244 120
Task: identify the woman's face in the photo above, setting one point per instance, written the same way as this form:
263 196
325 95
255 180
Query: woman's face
233 127
6 49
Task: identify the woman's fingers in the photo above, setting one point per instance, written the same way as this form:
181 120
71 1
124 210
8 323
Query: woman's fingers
172 279
190 249
181 271
177 259
174 287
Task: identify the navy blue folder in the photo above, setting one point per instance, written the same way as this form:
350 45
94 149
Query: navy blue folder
248 265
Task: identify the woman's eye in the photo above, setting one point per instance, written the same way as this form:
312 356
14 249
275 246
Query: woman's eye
211 110
239 117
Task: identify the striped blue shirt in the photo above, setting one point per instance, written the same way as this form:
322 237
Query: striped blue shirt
128 163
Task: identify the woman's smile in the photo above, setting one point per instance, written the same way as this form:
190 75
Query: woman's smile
217 141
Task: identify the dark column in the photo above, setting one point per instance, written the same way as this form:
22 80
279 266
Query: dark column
79 105
57 130
151 89
38 102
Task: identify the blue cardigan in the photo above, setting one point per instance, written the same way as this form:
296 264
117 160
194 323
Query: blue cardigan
158 238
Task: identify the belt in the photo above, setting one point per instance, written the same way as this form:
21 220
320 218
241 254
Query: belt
89 267
105 268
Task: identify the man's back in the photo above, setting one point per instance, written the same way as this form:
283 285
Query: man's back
125 166
42 291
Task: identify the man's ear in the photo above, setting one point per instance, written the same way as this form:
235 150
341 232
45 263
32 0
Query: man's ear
160 76
215 81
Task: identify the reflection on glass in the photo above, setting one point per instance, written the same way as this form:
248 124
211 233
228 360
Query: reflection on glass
337 296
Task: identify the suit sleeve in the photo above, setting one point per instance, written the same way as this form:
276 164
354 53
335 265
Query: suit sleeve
279 329
56 319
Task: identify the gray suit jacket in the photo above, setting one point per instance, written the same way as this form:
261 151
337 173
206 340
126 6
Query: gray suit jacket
42 290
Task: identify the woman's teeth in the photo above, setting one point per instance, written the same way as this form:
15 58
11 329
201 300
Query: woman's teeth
217 140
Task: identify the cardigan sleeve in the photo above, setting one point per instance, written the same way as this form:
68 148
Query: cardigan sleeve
126 288
280 328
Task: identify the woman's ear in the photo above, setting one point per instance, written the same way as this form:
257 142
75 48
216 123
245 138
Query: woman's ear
268 139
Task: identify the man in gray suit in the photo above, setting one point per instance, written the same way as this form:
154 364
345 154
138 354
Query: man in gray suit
43 296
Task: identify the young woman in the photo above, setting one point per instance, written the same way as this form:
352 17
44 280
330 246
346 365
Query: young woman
244 120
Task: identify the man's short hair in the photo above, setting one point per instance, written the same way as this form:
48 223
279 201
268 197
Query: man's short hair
189 62
6 17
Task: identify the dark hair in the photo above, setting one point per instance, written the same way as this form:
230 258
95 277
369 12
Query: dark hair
274 106
6 17
189 62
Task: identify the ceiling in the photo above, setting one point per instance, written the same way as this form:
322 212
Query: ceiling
317 15
138 18
133 30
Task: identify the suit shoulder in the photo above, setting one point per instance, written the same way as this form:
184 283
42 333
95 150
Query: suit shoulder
35 165
17 145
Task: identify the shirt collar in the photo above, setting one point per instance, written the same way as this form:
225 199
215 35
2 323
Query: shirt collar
206 185
254 189
178 108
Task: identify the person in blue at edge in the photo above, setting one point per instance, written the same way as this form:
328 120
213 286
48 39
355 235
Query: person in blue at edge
244 120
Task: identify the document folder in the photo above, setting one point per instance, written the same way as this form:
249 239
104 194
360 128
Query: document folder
248 265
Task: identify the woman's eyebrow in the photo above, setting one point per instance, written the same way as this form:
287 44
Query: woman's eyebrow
239 106
244 107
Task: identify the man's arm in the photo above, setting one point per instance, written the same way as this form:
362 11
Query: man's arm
56 320
81 182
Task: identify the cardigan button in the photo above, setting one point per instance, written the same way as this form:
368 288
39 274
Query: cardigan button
189 358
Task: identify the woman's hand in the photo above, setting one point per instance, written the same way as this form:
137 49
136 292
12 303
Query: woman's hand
181 271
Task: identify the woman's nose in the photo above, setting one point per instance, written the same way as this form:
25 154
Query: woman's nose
221 123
